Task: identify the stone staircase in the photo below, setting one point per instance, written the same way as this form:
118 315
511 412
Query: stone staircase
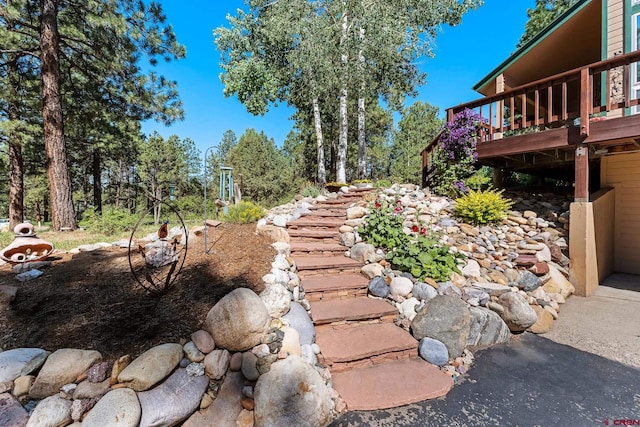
374 364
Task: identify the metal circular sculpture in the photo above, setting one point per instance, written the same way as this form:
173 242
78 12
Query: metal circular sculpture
157 250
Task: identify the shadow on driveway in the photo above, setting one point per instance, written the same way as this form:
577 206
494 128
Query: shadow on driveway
530 381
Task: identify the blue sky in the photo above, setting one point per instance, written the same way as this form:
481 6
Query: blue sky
464 55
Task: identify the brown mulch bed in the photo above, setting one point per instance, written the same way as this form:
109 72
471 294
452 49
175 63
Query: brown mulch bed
92 301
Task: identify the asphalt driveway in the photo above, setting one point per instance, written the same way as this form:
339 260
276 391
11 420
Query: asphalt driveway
530 381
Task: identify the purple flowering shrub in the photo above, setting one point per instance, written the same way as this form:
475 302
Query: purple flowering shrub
458 138
456 153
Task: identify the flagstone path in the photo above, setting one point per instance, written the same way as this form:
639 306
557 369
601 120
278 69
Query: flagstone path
374 364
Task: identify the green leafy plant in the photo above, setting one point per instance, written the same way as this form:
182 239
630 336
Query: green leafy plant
362 181
425 257
243 213
419 252
382 227
483 207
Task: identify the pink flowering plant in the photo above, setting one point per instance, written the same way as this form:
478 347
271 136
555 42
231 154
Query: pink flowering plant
425 256
383 225
419 252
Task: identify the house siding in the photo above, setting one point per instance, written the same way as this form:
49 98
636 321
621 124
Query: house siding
615 28
614 31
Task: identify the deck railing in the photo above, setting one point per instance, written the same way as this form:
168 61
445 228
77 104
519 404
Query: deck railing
574 97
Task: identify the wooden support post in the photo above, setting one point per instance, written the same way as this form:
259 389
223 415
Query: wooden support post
498 177
585 101
582 174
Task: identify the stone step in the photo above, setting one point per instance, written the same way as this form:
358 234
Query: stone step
342 282
317 249
338 202
326 265
366 344
296 234
318 223
391 384
334 207
325 213
352 310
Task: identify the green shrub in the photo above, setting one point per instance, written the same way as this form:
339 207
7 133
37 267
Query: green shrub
382 227
425 257
243 213
483 207
112 221
479 180
384 183
310 191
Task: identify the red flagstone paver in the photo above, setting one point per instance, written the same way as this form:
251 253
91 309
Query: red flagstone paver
391 384
334 283
321 263
328 311
360 341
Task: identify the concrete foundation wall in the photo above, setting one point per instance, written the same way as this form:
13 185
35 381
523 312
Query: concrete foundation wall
604 227
583 269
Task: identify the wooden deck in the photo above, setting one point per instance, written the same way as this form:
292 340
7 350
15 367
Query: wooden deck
544 123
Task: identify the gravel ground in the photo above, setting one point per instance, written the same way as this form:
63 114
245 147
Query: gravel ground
606 323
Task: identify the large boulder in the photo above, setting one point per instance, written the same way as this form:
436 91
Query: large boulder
276 299
53 411
225 408
238 321
62 367
362 251
12 413
20 361
445 318
517 314
118 408
275 233
216 363
400 286
433 351
299 320
151 367
172 401
487 328
528 282
558 284
292 393
544 322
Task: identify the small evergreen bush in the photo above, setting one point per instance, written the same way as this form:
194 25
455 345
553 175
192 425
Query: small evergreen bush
112 221
483 207
310 191
384 183
243 213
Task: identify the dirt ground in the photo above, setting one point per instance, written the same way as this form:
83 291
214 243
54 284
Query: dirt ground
92 301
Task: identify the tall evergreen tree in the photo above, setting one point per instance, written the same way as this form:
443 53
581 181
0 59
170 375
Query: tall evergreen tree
98 44
543 14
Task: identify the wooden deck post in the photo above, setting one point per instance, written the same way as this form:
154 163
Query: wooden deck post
582 174
585 101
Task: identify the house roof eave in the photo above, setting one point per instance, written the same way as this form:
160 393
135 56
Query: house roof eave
558 22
